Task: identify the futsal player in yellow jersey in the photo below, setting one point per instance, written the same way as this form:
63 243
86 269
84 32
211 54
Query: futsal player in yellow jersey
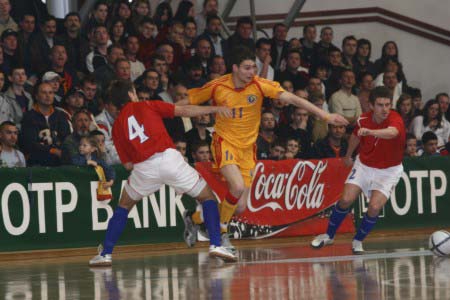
234 140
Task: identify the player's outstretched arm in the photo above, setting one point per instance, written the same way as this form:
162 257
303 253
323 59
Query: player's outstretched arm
194 110
385 133
353 143
334 119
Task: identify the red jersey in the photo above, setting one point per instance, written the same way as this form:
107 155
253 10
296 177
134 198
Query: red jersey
139 132
381 153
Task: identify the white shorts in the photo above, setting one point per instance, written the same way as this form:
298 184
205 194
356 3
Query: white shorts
168 167
370 179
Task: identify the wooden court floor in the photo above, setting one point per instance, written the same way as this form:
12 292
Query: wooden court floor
397 265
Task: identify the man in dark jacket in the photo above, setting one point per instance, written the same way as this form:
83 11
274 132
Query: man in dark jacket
334 145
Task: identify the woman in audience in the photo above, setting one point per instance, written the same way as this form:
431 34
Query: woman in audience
405 108
117 32
362 63
185 10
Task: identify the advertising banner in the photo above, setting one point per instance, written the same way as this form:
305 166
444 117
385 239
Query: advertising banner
287 198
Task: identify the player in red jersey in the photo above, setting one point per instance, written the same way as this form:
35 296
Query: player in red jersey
145 147
380 135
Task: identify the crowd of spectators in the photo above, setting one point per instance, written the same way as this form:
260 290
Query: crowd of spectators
54 75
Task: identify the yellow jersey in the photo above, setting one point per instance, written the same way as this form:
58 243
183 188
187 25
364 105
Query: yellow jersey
246 103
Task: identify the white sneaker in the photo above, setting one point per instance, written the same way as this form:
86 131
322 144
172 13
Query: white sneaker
222 252
357 247
101 260
225 242
321 240
190 229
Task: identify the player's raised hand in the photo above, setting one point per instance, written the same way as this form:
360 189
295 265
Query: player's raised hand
224 111
336 119
133 96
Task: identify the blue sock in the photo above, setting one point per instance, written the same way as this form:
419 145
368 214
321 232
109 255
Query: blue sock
115 227
366 226
337 216
212 221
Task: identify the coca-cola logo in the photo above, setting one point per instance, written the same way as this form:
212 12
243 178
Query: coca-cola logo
296 189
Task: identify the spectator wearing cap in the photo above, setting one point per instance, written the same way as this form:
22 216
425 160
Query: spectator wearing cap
81 123
73 101
77 47
16 100
11 54
55 81
69 79
9 156
41 46
43 129
6 21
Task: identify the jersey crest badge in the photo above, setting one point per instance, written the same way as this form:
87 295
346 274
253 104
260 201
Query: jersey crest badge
251 99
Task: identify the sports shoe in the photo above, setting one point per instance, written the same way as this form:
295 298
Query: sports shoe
222 252
225 242
190 229
101 260
357 247
321 240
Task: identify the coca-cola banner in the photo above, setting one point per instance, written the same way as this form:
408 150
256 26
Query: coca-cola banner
287 198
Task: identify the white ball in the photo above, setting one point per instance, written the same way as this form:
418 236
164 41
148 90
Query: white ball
439 243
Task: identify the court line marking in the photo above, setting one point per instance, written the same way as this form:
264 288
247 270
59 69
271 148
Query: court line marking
344 257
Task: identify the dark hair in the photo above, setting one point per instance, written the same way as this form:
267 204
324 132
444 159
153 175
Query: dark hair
197 145
441 95
308 26
111 47
244 20
403 97
379 92
316 96
361 77
182 11
72 14
47 19
120 60
325 28
427 106
262 41
362 42
383 50
7 123
98 3
117 93
22 18
410 136
240 54
159 12
143 89
96 132
89 78
415 92
146 20
278 25
211 18
428 136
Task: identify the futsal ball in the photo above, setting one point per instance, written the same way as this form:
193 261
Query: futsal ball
439 243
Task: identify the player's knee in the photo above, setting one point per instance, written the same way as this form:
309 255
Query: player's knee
345 202
237 189
205 194
374 210
241 207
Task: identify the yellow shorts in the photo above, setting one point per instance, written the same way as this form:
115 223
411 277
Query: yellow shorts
224 153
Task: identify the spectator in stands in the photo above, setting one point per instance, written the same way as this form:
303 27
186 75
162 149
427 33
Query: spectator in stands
73 101
194 73
175 40
319 127
388 51
89 87
117 32
411 145
54 80
131 51
279 47
105 73
349 45
41 46
201 152
11 54
190 33
2 78
393 82
217 66
151 80
181 146
299 128
122 69
43 129
288 86
365 84
335 70
58 64
343 101
99 17
277 150
98 57
292 149
143 93
416 95
166 51
81 123
10 156
25 35
298 78
315 85
263 59
177 126
324 45
431 120
198 133
405 108
159 63
123 13
77 47
210 8
266 135
430 144
361 61
15 101
6 21
444 102
333 145
162 17
105 121
241 37
147 41
309 45
141 11
100 138
213 34
203 51
185 10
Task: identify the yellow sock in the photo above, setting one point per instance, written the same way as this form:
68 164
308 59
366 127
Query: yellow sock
226 211
197 217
